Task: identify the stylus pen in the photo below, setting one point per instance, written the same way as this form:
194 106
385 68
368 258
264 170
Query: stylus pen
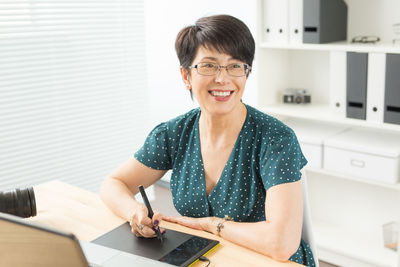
150 214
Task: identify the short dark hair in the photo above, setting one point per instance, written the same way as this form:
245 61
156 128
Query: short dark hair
224 33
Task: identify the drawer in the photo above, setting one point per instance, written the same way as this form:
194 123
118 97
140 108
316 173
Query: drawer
313 154
363 165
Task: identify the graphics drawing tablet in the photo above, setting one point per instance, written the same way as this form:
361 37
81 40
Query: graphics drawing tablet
177 248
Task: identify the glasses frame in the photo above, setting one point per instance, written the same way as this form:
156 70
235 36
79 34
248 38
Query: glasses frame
247 69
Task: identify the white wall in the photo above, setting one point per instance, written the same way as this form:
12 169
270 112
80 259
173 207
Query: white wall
164 19
72 77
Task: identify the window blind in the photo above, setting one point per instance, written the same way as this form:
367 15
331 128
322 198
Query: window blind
72 89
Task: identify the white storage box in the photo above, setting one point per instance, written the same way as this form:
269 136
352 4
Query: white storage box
364 153
311 135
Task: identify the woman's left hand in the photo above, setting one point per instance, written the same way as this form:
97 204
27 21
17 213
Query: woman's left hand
195 223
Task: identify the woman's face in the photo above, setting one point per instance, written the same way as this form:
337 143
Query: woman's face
218 94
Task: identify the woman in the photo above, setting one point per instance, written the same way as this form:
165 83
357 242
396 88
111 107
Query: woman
228 159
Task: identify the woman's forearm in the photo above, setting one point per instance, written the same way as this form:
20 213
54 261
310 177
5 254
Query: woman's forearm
263 237
117 196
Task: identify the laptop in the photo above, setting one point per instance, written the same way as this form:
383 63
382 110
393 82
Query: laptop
23 243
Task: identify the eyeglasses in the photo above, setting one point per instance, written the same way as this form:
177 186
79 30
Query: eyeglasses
365 39
210 69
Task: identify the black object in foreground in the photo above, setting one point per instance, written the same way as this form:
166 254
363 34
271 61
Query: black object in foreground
18 202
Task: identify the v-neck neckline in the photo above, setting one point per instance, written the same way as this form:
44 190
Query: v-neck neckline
203 174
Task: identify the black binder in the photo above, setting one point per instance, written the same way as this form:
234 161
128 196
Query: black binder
356 85
324 21
392 89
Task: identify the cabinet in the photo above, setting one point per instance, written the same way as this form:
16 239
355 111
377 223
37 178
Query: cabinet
348 212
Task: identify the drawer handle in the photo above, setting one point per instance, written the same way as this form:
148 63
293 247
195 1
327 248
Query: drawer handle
357 163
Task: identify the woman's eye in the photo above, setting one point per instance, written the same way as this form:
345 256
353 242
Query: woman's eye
208 65
236 66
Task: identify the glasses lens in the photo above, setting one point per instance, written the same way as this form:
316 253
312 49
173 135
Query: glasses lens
236 69
207 68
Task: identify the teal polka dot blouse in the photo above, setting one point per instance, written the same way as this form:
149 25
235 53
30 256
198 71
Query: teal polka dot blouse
265 154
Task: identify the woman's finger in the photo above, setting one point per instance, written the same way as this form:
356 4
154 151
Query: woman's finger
134 230
157 218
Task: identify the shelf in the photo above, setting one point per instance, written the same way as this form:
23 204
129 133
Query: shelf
323 113
352 178
364 247
337 46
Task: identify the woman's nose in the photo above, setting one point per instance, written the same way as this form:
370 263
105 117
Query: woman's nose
221 74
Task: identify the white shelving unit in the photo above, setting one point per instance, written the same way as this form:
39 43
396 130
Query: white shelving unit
337 46
348 212
340 175
323 113
362 249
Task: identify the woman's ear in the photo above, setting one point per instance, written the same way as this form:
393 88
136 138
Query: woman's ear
185 76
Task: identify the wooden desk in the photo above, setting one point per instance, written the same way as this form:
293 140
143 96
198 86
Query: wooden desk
82 213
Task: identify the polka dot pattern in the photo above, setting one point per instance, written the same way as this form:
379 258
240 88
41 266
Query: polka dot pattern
265 154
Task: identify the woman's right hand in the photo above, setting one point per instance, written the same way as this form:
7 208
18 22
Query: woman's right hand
142 225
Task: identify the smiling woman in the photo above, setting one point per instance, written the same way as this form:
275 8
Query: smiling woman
235 170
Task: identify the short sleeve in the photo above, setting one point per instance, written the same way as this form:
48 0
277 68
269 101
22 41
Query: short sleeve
155 153
282 161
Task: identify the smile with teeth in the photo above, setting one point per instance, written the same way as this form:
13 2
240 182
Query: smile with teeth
221 93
